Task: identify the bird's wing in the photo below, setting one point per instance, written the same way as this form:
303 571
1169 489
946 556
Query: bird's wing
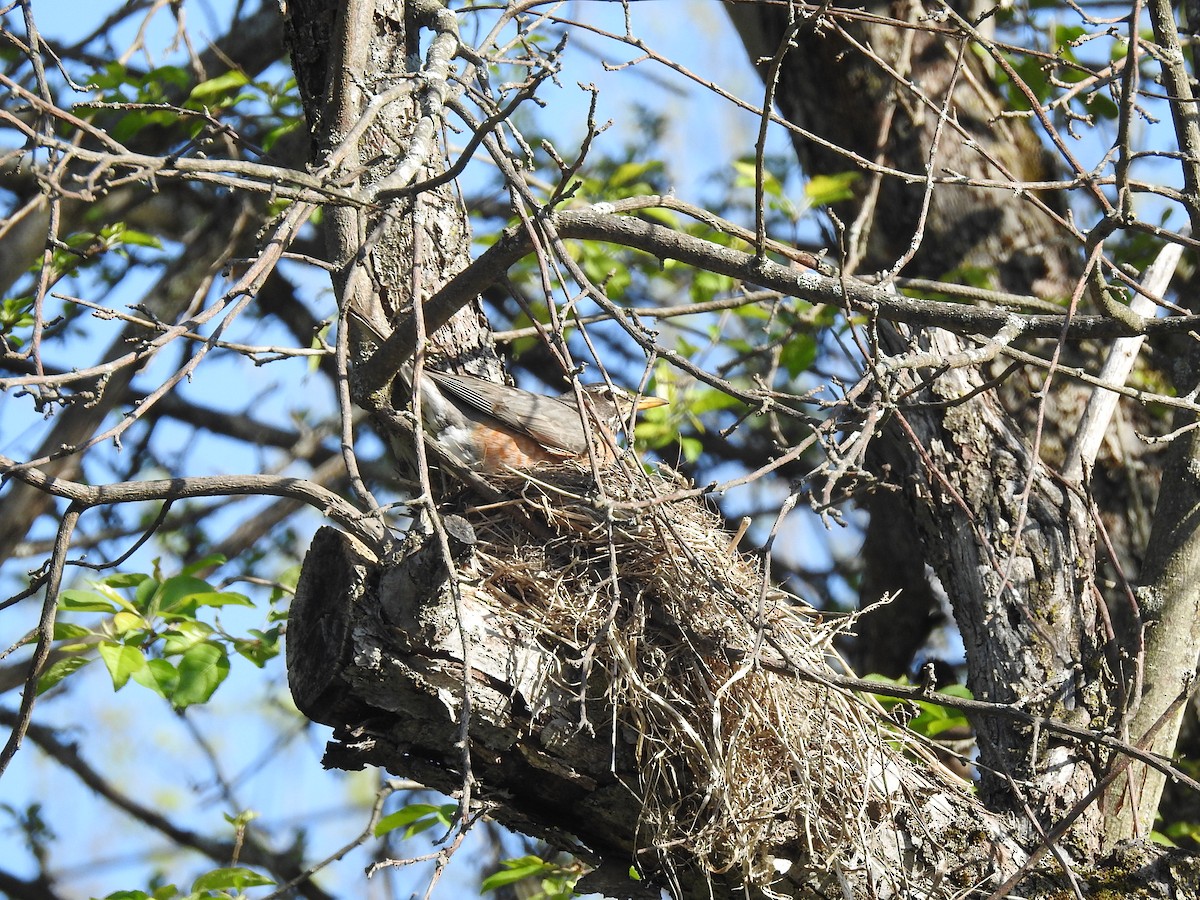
551 422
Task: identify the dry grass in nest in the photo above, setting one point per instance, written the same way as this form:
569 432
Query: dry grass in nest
734 758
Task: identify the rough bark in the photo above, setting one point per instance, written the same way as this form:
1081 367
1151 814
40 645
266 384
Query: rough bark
1023 601
1169 597
346 55
1014 548
1169 602
377 651
984 231
828 73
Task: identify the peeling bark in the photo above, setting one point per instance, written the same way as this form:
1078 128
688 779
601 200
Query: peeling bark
1019 576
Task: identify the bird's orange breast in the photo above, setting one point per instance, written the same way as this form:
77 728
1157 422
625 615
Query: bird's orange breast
500 449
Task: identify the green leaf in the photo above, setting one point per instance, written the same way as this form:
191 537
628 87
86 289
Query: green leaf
691 448
287 581
84 601
707 285
273 136
633 177
242 819
260 647
666 217
60 670
957 690
69 631
138 239
124 579
128 126
516 870
210 561
111 76
166 892
184 635
235 878
217 89
657 434
823 190
162 76
704 399
798 354
604 268
747 176
745 169
184 594
1177 833
159 676
753 312
145 598
125 621
122 661
15 313
932 718
201 671
419 817
219 598
176 592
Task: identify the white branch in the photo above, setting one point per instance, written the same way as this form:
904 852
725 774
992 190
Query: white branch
1103 402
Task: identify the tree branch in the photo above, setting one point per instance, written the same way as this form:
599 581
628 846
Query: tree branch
598 224
369 529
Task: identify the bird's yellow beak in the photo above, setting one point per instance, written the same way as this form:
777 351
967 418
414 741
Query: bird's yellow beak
650 403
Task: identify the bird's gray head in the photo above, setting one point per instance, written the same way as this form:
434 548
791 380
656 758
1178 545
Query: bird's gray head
613 405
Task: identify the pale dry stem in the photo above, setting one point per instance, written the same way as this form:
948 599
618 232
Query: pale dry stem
734 759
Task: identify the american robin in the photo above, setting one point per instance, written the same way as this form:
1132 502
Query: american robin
494 428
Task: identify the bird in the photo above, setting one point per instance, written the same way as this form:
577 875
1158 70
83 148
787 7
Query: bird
495 428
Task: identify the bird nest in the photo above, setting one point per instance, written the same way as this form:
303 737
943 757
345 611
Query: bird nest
742 765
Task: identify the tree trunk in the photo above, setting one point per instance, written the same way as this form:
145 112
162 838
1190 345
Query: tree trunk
1012 545
346 56
613 677
1014 549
